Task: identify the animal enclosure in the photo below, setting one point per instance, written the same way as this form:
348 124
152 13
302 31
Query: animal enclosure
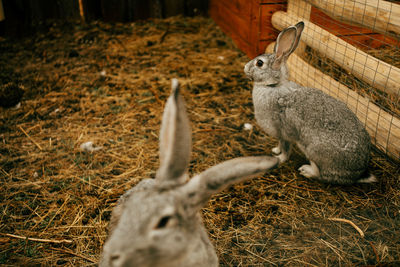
359 64
107 83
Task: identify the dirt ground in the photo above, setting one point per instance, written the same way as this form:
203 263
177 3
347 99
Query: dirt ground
107 83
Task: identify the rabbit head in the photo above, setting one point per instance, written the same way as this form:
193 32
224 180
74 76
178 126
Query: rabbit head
157 223
270 69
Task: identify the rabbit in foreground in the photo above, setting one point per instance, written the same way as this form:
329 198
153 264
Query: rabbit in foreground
325 130
157 222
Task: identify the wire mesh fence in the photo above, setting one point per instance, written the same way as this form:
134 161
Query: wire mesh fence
350 50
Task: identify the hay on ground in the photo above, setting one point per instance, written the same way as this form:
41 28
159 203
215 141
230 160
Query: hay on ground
107 83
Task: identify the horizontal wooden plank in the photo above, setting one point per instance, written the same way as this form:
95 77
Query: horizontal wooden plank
380 16
358 36
333 26
368 41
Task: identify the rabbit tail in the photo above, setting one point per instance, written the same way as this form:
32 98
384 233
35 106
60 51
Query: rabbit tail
367 178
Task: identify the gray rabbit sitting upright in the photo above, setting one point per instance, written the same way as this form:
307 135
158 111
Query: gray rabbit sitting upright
325 130
157 222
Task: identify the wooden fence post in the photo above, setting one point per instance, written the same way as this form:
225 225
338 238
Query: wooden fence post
1 11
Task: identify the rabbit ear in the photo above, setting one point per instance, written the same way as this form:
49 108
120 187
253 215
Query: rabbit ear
299 29
175 139
200 188
286 43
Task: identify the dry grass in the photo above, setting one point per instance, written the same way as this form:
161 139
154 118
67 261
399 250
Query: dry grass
107 84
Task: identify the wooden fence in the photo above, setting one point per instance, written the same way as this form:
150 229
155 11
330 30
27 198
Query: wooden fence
21 16
382 124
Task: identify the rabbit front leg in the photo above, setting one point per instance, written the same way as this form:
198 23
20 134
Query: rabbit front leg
282 151
310 171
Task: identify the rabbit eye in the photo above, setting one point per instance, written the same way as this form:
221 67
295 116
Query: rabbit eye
259 63
163 222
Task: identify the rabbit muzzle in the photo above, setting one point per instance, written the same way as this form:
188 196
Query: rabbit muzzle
247 71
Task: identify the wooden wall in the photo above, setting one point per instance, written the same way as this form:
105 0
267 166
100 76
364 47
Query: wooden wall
23 16
248 23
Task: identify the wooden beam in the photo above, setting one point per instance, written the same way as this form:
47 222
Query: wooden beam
375 72
377 15
383 127
81 11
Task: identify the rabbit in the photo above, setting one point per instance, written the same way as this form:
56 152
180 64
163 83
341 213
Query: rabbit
324 129
157 222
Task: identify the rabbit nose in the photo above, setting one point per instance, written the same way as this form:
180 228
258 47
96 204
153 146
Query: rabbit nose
247 71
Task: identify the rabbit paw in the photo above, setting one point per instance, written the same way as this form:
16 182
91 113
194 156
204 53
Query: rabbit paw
282 157
276 150
309 171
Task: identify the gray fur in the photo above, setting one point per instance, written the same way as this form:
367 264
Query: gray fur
157 222
325 130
